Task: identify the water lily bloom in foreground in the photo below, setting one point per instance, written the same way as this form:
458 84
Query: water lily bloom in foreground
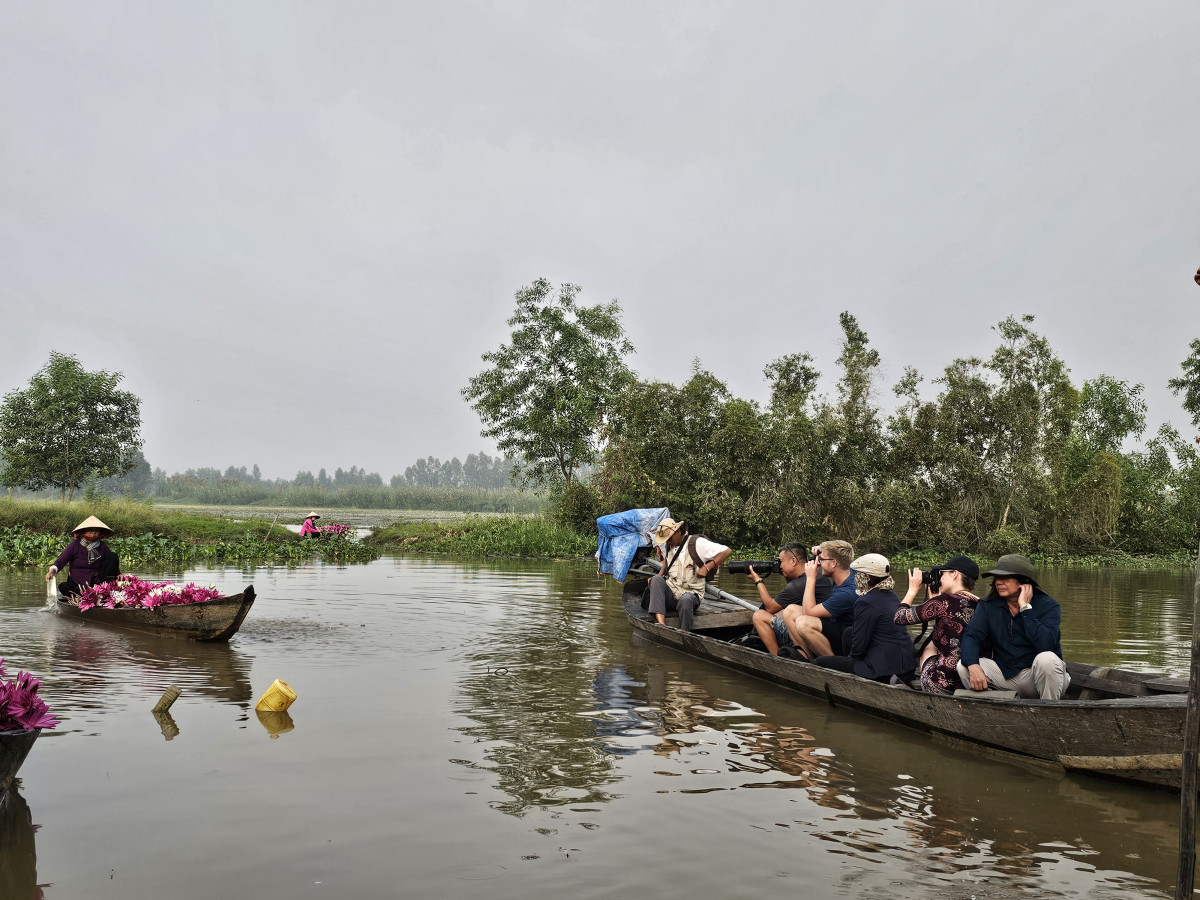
130 592
21 708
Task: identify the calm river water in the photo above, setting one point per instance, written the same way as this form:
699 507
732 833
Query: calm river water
491 729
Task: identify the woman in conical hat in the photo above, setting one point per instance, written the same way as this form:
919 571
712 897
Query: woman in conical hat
91 560
310 527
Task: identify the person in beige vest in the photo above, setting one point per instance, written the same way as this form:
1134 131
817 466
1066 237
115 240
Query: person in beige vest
688 562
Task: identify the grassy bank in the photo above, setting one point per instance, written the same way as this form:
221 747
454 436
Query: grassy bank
541 537
34 532
535 536
129 518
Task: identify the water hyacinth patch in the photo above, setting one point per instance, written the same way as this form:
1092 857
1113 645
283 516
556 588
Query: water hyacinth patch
130 592
21 709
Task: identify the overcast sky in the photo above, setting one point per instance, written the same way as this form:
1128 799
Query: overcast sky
295 227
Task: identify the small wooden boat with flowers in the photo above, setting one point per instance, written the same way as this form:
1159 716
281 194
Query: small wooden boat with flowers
164 609
14 747
23 715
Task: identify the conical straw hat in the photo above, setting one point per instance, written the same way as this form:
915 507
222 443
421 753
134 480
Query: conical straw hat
313 515
92 522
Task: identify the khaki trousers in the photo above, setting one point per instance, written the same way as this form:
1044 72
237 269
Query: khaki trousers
1047 678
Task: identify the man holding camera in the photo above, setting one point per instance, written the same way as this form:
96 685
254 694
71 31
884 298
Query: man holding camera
688 563
768 619
821 626
1023 625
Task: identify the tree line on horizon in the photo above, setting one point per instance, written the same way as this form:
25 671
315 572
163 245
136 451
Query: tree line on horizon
1009 456
71 429
480 471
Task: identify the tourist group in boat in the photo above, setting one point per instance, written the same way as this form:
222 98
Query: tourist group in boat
842 612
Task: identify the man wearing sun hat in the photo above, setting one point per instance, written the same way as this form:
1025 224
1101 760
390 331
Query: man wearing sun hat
91 560
1023 625
688 563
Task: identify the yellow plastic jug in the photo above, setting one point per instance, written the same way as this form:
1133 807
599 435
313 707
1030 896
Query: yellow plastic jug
278 697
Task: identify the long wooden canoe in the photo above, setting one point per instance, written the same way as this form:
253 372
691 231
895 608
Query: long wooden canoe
1112 722
213 620
14 747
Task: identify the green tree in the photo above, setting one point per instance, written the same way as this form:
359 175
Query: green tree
1035 406
67 428
695 448
849 434
546 394
1189 383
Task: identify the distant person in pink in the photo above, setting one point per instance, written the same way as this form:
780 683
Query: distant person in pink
310 528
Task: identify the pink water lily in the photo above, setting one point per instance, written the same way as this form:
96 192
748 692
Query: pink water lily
130 592
21 708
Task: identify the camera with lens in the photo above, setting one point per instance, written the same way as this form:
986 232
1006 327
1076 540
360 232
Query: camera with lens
932 578
763 567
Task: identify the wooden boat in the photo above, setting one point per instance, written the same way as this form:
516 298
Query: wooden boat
213 620
14 747
1112 722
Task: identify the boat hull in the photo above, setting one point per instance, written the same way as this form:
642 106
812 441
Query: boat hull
213 620
14 747
1133 738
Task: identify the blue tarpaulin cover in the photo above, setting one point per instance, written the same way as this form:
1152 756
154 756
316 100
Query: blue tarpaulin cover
620 536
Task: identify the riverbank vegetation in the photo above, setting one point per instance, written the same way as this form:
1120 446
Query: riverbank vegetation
544 537
1007 455
530 536
35 532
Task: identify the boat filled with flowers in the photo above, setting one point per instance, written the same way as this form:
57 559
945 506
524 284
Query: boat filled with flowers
162 608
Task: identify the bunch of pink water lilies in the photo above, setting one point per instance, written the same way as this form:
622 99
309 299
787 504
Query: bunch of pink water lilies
21 708
130 592
335 528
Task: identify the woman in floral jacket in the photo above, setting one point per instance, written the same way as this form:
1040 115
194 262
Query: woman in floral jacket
949 607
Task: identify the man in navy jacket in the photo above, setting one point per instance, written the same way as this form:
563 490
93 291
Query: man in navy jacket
1023 625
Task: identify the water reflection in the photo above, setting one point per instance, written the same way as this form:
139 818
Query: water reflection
275 721
99 664
884 796
18 858
166 723
528 688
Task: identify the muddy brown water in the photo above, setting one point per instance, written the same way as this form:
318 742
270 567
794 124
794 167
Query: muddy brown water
492 729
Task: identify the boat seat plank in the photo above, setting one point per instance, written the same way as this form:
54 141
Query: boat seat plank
1095 687
1168 685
